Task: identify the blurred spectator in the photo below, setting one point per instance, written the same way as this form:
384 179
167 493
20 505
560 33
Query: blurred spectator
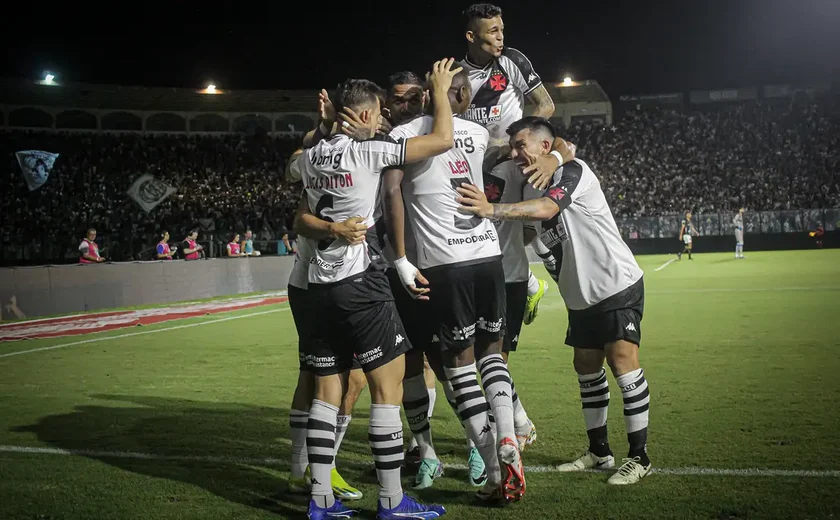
191 249
233 248
89 250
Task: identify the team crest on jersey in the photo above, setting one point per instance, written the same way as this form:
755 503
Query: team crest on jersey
498 81
493 188
556 193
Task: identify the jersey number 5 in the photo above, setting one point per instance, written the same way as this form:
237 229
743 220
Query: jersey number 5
464 223
325 202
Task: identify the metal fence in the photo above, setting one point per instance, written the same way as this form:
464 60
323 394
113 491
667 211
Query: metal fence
715 224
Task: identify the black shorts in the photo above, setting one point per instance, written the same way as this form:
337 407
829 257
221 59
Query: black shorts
357 318
416 315
308 331
619 317
468 301
517 298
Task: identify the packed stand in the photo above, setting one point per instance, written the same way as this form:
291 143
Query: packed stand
767 155
225 184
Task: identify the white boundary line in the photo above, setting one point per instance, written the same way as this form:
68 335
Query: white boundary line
681 471
131 334
666 264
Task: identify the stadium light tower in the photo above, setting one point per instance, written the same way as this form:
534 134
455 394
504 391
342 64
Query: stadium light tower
48 78
567 81
211 88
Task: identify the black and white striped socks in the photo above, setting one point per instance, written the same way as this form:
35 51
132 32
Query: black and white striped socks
495 378
320 447
298 425
473 409
385 434
595 398
634 391
417 402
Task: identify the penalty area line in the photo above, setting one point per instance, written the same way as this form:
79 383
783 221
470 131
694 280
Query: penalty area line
141 333
268 461
666 264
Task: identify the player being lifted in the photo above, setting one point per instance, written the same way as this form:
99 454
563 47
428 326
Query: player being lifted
738 224
502 78
602 286
687 231
461 259
341 178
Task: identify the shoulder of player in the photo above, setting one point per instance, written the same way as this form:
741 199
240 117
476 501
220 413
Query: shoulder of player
410 128
515 56
472 127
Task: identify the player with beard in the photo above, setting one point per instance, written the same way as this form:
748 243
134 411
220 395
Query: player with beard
502 79
341 177
602 286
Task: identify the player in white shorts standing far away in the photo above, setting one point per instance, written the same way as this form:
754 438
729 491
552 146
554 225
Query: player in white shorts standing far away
351 294
738 224
502 78
602 286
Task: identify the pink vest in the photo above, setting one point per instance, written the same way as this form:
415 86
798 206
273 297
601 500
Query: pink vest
93 250
234 248
166 250
191 245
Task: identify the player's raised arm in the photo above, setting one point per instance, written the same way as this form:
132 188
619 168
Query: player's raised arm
542 99
352 230
442 137
474 201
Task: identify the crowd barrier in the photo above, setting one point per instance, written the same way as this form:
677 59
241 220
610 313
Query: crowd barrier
64 289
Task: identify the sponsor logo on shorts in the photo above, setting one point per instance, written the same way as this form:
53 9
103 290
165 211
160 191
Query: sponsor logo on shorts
319 361
464 333
490 326
366 357
489 235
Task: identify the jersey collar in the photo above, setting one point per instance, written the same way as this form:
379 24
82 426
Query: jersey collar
473 65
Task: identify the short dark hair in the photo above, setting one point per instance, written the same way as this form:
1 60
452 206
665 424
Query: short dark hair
405 77
480 12
355 93
532 123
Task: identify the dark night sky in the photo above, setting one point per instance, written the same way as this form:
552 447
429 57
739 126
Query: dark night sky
628 46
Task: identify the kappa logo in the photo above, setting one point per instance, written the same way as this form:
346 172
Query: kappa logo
485 430
501 394
399 339
631 327
531 77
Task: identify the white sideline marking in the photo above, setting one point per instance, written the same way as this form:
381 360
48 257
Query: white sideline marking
666 264
130 334
683 471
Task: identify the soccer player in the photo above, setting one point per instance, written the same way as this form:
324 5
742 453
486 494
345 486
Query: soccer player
738 223
461 261
352 231
687 230
602 286
341 178
502 78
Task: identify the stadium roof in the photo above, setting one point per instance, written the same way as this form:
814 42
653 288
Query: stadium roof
110 97
577 92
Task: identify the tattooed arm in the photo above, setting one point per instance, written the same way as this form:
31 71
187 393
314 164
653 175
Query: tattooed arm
474 201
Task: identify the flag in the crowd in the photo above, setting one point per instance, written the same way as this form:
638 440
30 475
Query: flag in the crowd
148 192
35 166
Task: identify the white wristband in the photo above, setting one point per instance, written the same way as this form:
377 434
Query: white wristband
557 154
406 270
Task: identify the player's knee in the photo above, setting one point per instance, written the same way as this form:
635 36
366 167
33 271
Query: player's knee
622 357
588 361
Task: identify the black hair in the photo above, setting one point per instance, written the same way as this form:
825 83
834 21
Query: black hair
480 12
355 93
405 77
532 123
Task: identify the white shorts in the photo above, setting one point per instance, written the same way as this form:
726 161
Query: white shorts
687 239
739 236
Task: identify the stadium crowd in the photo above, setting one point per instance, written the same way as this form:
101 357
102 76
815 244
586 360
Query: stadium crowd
763 155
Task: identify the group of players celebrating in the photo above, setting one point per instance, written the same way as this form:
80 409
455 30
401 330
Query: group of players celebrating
418 204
